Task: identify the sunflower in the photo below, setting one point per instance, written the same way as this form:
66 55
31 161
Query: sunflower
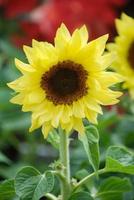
124 50
64 83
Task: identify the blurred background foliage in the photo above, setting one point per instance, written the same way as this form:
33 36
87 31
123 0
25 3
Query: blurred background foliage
20 22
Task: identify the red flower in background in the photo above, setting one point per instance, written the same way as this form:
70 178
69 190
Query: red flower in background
41 21
1 2
30 31
14 8
18 10
98 15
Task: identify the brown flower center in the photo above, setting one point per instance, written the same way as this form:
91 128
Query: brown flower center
131 55
65 82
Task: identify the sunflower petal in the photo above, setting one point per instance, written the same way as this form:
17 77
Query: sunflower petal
62 37
78 109
24 68
91 116
83 34
46 128
67 126
18 99
78 125
99 44
57 113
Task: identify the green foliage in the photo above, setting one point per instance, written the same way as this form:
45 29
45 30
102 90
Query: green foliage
113 188
7 191
30 184
90 142
119 159
4 159
81 196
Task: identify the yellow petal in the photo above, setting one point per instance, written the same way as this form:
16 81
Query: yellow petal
40 118
93 83
124 24
45 51
34 124
67 126
62 37
30 54
78 125
18 99
107 79
43 110
83 34
78 109
106 60
37 44
127 18
75 43
90 55
92 105
99 44
111 47
66 114
18 84
107 97
36 96
91 116
24 68
57 113
46 128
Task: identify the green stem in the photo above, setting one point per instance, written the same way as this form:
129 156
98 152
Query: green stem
59 175
51 196
87 178
65 160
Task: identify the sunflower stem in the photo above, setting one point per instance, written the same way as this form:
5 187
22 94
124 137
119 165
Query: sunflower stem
87 178
65 160
51 196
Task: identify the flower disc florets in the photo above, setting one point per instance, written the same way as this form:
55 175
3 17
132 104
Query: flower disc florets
65 83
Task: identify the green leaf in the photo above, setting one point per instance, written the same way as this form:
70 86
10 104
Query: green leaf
4 159
119 159
113 188
81 196
54 139
90 142
7 191
23 175
31 185
81 174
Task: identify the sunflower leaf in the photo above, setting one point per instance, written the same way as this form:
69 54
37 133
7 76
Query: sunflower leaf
119 159
7 191
113 188
30 184
81 196
90 142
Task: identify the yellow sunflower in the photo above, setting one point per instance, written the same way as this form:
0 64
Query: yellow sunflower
124 50
64 83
